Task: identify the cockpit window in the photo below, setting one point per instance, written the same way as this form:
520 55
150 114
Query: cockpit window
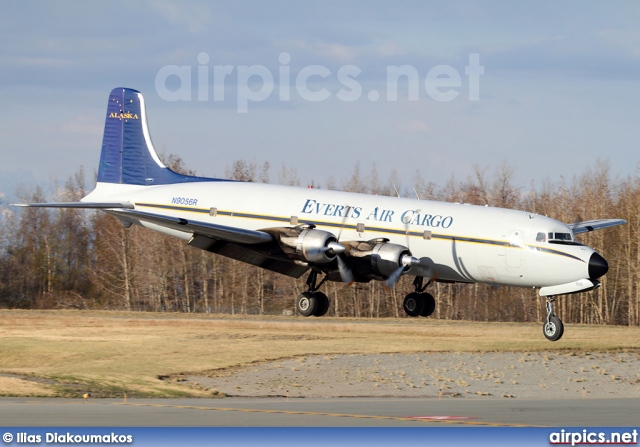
560 237
541 237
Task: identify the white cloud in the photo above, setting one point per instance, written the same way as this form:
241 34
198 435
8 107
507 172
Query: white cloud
388 49
83 125
329 50
555 73
625 39
194 16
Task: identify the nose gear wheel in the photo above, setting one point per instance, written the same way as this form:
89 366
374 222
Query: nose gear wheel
553 329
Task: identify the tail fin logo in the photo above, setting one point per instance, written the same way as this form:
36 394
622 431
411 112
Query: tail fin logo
124 115
128 156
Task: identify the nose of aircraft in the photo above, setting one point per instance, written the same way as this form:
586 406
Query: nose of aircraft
598 266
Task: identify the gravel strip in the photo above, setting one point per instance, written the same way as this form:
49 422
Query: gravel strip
467 375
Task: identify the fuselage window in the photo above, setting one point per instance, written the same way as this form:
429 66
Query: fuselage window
541 237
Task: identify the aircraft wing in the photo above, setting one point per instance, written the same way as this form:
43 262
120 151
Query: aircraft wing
222 232
91 205
232 242
126 212
591 225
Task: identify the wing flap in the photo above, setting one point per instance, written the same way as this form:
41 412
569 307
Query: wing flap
591 225
245 253
223 232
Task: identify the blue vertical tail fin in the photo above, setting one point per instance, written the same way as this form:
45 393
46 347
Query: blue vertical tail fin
128 155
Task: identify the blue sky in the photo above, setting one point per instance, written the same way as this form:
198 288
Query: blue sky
560 88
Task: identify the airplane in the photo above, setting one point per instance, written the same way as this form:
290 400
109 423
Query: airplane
343 236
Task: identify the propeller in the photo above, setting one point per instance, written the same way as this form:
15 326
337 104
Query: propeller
347 209
343 268
345 271
407 231
337 249
406 261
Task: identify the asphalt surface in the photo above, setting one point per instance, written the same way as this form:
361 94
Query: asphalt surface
386 390
338 412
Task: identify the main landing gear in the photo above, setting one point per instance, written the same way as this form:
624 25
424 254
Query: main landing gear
553 327
313 302
419 303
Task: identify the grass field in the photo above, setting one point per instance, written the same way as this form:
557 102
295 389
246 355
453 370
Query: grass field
108 354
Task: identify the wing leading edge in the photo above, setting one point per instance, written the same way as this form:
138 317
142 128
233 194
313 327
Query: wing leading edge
249 246
221 232
126 212
592 225
89 205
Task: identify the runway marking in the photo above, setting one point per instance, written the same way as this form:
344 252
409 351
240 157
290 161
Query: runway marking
427 419
442 418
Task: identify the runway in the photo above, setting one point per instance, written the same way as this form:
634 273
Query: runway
343 412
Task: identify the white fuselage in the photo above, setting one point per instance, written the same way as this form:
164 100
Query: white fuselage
457 242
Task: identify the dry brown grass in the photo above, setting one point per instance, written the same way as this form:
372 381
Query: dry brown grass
113 352
15 386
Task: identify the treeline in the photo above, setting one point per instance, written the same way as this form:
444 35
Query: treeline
65 258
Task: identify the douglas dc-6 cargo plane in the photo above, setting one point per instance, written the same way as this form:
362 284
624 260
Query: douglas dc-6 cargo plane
341 235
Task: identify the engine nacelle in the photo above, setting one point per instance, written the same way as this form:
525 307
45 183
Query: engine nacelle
308 244
387 258
377 258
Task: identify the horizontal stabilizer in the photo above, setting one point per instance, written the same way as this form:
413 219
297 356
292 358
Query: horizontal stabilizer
591 225
90 205
222 232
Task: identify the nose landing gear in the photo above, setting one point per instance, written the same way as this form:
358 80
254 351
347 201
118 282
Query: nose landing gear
552 327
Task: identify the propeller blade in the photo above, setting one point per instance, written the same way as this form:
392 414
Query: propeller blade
345 271
407 229
406 261
394 277
344 220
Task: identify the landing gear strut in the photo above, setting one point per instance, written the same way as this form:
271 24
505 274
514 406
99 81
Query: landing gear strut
313 302
553 327
419 303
